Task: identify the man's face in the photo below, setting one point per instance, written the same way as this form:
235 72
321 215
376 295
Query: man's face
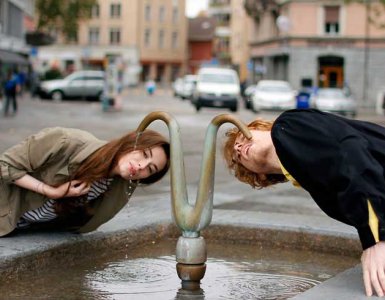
245 150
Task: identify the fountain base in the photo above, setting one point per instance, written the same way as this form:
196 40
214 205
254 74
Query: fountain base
191 275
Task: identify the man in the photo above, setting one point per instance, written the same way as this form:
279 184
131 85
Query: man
340 162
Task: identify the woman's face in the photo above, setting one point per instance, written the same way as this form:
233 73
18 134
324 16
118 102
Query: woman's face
140 164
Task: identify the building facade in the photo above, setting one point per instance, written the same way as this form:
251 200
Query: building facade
231 42
220 11
162 39
16 18
201 32
319 43
239 39
150 37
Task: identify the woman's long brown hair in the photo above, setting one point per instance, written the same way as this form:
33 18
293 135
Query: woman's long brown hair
103 161
240 172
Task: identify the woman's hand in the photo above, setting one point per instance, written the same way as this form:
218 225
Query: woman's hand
72 188
373 266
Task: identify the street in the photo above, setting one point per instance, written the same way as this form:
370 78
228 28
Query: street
35 114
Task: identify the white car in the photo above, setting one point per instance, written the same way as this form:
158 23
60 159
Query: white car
188 85
80 84
177 86
247 95
273 95
216 87
334 100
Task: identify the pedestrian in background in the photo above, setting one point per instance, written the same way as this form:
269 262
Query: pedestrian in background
11 87
150 86
340 162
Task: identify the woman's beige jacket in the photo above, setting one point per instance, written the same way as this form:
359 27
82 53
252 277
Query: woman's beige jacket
51 156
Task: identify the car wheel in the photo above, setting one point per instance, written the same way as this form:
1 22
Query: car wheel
98 97
233 109
197 107
57 96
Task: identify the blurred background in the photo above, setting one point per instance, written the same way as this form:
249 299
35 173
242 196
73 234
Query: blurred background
310 45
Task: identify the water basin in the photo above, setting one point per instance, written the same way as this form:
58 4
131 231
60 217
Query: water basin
123 269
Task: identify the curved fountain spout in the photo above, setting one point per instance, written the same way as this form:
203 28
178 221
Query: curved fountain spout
191 219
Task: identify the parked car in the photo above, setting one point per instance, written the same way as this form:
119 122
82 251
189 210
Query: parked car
216 87
188 85
177 86
247 95
80 84
334 100
273 95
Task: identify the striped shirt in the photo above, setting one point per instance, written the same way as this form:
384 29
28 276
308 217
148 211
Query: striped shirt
47 211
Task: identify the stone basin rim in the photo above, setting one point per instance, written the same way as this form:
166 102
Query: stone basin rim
70 245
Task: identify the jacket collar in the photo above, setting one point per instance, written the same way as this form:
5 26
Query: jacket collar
87 150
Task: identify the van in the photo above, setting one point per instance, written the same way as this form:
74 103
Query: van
216 87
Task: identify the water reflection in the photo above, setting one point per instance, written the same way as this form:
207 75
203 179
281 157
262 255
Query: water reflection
148 272
155 279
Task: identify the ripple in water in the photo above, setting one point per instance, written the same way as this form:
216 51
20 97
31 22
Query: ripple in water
156 279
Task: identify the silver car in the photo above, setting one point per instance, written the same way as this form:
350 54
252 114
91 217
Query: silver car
273 95
80 84
334 100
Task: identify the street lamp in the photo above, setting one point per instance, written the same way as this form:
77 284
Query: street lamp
283 23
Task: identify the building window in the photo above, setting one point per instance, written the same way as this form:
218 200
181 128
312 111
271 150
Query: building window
175 15
161 38
115 10
174 40
147 37
161 13
95 12
332 16
147 12
93 36
114 36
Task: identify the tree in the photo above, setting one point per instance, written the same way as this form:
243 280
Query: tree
63 16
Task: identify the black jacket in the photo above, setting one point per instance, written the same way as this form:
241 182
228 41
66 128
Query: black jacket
340 162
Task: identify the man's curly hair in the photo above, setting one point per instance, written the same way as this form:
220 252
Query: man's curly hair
254 179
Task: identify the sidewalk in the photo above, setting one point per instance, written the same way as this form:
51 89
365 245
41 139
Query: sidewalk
284 209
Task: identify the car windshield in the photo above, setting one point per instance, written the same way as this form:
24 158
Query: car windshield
274 88
218 78
326 93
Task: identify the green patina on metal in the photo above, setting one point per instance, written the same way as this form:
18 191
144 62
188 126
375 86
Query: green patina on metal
191 219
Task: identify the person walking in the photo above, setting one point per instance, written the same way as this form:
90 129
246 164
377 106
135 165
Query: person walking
10 88
340 162
67 179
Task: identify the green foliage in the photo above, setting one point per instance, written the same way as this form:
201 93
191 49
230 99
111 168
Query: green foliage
63 15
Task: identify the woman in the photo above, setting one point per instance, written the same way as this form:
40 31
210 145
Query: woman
340 162
65 178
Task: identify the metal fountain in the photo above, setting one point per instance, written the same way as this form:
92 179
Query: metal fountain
191 254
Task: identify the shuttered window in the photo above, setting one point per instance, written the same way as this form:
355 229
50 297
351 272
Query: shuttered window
332 19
